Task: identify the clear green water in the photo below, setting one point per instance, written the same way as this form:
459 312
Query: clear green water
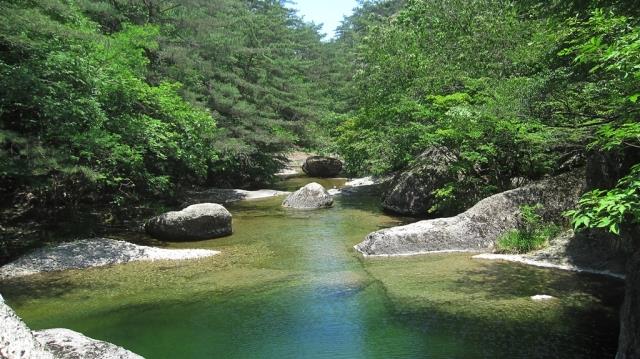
289 285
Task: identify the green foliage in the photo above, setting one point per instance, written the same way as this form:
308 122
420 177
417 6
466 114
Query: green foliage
534 234
610 209
78 116
514 88
607 45
117 99
255 64
470 95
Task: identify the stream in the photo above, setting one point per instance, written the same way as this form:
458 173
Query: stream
288 284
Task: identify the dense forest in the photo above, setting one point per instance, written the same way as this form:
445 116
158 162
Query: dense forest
118 101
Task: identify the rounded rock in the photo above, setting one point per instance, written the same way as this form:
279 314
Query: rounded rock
311 196
319 166
196 222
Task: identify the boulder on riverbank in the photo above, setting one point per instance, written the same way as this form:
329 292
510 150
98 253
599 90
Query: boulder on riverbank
197 222
478 228
65 343
92 253
319 166
311 196
411 191
17 341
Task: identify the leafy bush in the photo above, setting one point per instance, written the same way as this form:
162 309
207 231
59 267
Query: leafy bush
533 234
609 209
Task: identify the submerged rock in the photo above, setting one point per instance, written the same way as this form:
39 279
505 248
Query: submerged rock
311 196
196 222
319 166
65 343
478 228
92 253
411 191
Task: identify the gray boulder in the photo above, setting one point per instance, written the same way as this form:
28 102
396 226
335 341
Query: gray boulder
196 222
478 228
65 343
16 339
411 191
319 166
311 196
94 252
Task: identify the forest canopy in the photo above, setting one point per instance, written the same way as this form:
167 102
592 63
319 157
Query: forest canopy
121 100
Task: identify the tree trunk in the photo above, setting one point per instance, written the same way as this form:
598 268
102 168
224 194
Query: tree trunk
629 341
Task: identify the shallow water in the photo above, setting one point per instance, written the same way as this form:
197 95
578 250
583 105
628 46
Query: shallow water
289 285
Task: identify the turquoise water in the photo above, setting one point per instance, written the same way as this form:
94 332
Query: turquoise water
289 285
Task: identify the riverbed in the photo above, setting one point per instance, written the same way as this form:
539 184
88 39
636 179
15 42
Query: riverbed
288 284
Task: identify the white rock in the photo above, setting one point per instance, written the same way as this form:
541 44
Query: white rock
358 182
542 297
222 196
93 253
65 343
334 191
16 339
311 196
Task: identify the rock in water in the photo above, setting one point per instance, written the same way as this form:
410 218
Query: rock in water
311 196
196 222
92 253
16 339
318 166
411 191
65 343
478 228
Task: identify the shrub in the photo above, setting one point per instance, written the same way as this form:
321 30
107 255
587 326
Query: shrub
534 233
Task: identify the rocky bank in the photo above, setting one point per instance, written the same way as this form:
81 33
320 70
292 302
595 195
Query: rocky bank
478 228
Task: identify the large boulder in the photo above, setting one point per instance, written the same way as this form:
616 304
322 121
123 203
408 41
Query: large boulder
94 252
16 339
196 222
319 166
478 228
65 343
411 191
311 196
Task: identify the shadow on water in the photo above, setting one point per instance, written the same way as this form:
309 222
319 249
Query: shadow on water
484 310
500 280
